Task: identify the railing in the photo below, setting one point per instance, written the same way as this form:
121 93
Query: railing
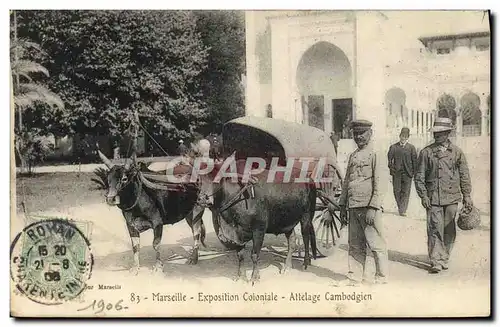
471 130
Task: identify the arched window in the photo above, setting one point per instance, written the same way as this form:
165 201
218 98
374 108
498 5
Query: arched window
395 106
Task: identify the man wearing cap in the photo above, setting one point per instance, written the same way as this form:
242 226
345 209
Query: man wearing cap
361 195
402 162
442 180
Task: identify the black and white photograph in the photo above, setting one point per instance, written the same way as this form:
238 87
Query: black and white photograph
250 163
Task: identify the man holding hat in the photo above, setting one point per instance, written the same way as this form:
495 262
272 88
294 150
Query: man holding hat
402 162
362 197
442 180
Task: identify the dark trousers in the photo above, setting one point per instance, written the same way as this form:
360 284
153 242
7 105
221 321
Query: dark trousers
401 184
441 233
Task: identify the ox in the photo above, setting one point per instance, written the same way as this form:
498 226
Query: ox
244 212
146 205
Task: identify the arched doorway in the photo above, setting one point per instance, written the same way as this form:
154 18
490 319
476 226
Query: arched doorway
324 77
471 114
396 111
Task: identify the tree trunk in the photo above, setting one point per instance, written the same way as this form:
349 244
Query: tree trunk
20 154
16 76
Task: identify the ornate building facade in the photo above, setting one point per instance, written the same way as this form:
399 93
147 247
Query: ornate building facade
395 68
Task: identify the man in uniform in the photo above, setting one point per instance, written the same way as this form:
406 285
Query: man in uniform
402 162
362 196
442 180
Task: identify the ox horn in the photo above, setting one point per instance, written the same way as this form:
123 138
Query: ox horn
104 159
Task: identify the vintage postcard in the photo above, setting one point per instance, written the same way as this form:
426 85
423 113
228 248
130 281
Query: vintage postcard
250 163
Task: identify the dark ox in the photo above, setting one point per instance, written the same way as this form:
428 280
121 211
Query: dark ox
264 208
146 207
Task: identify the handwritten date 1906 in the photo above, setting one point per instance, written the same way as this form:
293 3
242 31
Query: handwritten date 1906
101 305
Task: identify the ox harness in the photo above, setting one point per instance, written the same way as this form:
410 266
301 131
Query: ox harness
246 191
144 179
139 191
161 182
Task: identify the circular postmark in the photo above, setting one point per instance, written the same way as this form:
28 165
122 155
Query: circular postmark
51 261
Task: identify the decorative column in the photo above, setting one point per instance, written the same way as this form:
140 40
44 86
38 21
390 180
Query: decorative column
252 91
410 120
420 123
281 92
459 123
370 75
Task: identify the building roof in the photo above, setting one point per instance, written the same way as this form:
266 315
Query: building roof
427 39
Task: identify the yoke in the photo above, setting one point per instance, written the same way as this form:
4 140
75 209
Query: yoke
165 182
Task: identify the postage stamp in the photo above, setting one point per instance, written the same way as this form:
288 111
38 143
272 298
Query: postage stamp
51 261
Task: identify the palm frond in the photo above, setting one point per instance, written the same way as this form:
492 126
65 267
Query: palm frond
31 93
22 45
102 181
28 67
26 76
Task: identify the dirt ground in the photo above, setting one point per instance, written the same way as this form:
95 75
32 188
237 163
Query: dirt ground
463 290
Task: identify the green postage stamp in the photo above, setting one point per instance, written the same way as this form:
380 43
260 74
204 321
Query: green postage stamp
51 261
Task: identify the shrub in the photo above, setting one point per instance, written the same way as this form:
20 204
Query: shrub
102 180
33 150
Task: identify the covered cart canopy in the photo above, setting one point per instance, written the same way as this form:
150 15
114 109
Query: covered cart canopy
269 137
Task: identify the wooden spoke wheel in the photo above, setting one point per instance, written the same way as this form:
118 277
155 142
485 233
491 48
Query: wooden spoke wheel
326 222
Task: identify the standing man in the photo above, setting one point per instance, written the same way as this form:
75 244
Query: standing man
182 148
269 112
442 180
116 150
402 162
335 140
361 194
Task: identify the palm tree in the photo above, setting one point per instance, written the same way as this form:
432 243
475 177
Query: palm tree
26 92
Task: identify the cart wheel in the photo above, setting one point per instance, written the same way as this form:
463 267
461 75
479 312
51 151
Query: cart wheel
324 236
326 227
327 230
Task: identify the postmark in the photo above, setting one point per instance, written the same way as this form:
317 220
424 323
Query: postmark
51 261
